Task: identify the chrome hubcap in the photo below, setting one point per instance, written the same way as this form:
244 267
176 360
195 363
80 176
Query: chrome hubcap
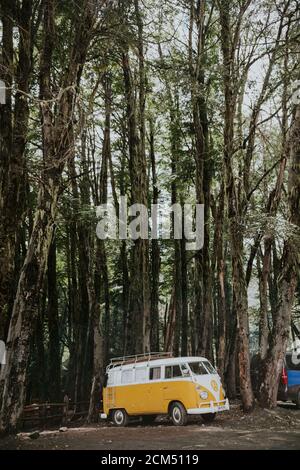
176 415
119 418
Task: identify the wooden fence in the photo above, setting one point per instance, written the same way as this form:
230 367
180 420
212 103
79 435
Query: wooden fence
47 414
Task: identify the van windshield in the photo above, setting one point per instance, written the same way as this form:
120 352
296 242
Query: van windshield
202 368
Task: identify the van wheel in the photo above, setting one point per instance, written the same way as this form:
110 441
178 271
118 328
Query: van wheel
178 414
148 419
208 417
298 400
120 417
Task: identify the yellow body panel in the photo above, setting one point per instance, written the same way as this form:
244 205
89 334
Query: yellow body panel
155 397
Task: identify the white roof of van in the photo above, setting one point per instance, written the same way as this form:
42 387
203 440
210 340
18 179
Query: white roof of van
157 362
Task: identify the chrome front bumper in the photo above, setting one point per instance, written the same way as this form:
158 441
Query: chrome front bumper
210 408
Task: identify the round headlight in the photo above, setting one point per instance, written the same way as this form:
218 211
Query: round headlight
203 395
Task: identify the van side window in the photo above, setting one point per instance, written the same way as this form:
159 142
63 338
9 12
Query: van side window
172 371
127 376
177 371
155 373
141 374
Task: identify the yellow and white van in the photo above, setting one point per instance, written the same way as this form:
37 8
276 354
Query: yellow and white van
158 384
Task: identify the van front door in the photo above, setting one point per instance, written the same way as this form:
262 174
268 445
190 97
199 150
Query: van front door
172 386
110 397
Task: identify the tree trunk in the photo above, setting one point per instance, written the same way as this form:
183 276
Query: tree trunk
54 357
184 313
203 286
155 254
106 158
219 263
180 281
6 237
263 294
170 325
98 372
139 297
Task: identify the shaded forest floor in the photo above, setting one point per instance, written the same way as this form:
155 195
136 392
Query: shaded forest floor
263 429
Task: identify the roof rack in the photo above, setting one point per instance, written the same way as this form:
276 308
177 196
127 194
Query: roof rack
118 361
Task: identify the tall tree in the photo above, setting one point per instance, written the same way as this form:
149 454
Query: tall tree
240 297
14 122
203 307
155 251
287 282
139 296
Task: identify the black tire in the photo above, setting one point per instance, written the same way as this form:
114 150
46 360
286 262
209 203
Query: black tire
298 400
120 418
208 417
148 419
178 414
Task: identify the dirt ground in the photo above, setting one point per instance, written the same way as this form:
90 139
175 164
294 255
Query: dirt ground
263 429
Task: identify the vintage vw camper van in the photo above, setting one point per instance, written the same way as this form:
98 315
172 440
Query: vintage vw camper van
157 384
